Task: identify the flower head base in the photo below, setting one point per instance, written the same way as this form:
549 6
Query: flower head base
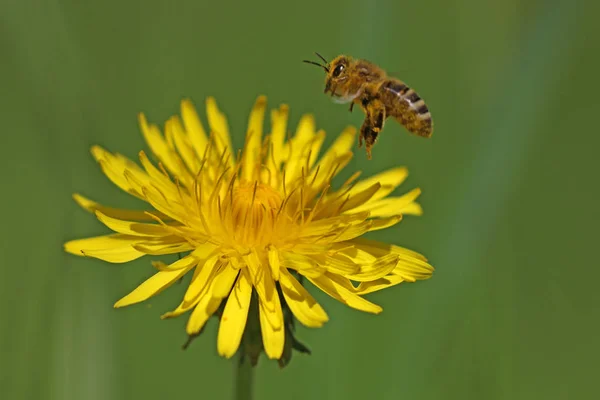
253 225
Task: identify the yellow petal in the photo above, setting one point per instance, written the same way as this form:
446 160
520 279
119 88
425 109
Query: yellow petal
331 285
204 255
389 180
269 298
379 249
233 320
205 308
274 262
170 245
351 250
329 168
324 226
383 223
202 277
114 255
159 265
376 270
342 145
100 243
304 265
354 231
158 282
183 144
271 326
114 248
299 149
223 281
157 143
412 270
337 264
411 209
411 266
279 119
378 284
261 278
159 201
118 213
391 205
123 162
158 177
392 177
194 127
311 248
219 128
302 304
115 171
161 149
251 162
132 228
359 198
182 308
305 131
315 147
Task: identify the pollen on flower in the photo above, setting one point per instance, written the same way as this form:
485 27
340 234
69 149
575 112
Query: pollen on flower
254 227
254 211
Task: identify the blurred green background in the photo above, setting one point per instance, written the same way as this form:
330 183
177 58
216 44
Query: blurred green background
510 183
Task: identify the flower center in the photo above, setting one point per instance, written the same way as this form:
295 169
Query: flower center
254 211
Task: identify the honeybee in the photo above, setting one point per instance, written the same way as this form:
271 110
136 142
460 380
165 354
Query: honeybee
361 82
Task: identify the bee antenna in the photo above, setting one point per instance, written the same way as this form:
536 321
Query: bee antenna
322 58
317 64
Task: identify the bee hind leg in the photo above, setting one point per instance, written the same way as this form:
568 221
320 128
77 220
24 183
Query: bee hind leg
372 125
378 120
368 135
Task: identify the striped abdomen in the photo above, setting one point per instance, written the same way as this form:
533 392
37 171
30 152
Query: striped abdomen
405 105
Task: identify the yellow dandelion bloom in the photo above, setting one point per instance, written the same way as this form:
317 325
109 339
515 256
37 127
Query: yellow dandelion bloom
252 223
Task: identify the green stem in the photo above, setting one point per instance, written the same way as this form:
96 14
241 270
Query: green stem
244 378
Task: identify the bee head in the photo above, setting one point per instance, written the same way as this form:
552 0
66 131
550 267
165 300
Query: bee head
338 68
336 72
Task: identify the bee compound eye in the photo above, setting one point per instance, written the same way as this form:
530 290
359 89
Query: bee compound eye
338 70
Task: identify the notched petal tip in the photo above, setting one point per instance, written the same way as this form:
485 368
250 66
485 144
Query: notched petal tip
261 101
350 130
403 171
413 209
142 120
284 109
307 123
211 102
187 104
98 152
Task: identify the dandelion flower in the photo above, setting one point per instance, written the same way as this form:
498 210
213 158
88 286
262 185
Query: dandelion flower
254 225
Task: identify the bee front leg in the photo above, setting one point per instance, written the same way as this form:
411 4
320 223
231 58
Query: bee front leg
351 106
